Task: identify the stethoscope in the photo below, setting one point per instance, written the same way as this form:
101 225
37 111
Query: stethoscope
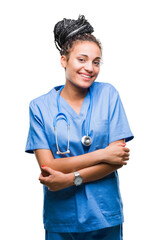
86 139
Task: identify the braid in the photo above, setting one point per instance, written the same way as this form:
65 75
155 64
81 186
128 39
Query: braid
68 31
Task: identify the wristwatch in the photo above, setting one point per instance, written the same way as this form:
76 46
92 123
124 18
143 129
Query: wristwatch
78 179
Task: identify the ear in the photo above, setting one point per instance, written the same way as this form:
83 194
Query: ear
63 61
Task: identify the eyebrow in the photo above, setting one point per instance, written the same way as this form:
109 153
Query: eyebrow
84 55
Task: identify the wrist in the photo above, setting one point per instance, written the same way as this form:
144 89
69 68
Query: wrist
78 180
69 179
101 155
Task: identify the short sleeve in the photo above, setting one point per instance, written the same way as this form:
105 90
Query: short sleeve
36 137
118 123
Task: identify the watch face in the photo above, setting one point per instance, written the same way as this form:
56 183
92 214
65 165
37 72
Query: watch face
78 181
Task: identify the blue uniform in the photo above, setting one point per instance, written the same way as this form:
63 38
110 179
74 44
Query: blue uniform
91 206
111 233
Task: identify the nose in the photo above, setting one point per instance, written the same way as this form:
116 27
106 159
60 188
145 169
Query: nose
89 67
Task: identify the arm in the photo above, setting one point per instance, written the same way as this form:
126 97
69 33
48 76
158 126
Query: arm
101 170
97 172
57 181
69 164
113 154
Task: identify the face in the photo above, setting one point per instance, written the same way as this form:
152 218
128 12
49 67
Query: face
83 65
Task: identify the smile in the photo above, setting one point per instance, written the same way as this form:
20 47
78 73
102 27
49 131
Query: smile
86 76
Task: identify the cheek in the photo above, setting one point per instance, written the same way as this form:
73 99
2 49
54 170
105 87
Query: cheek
97 71
70 74
72 70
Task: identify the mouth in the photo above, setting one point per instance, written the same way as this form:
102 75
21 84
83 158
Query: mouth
86 76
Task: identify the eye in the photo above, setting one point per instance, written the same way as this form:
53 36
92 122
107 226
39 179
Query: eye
97 63
81 60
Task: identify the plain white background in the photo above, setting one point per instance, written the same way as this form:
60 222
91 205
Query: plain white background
30 67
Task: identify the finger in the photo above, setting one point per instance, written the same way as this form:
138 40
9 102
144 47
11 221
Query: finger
126 149
42 182
47 169
126 158
45 173
126 154
124 163
43 178
121 144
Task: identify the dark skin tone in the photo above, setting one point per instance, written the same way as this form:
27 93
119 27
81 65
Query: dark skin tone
57 175
81 70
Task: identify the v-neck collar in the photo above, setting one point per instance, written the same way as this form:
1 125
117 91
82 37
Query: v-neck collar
65 105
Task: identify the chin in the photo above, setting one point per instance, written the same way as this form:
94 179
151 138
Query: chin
82 84
85 84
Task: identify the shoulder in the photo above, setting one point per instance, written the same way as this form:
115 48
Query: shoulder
44 100
104 88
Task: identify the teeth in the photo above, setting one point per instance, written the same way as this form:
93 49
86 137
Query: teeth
85 76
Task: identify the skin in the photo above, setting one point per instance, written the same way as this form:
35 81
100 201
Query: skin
81 70
91 166
85 59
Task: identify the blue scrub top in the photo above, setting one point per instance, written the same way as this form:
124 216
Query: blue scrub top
93 205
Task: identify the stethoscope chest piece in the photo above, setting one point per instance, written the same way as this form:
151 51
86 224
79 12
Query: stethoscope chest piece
86 141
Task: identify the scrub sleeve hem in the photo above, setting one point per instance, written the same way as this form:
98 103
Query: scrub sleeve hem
126 136
31 149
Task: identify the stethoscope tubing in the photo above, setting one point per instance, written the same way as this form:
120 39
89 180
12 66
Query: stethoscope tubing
86 140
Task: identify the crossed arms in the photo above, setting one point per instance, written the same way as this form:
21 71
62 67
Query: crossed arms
58 174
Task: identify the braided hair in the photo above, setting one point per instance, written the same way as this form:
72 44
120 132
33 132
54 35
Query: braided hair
67 31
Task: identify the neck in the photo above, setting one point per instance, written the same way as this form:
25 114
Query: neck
73 93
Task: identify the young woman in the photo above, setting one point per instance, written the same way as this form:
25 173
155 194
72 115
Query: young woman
78 133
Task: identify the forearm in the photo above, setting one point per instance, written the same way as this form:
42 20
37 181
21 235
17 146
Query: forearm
115 153
56 180
92 174
69 164
97 172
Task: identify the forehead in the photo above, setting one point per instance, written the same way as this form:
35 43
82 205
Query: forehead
90 49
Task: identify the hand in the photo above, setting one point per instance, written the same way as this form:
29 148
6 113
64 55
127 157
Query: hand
55 180
117 153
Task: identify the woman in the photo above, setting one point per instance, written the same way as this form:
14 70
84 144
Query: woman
78 133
